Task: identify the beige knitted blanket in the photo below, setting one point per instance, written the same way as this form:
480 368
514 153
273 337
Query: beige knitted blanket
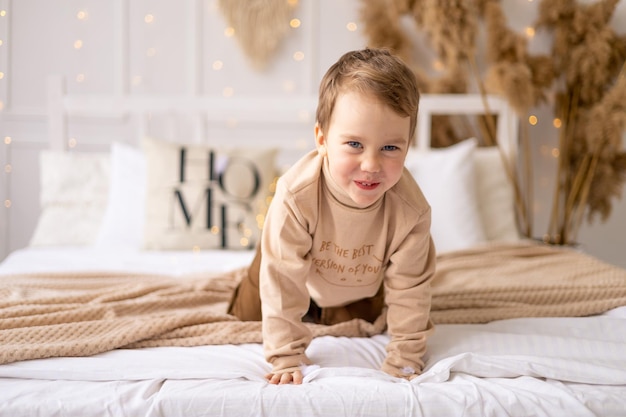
78 315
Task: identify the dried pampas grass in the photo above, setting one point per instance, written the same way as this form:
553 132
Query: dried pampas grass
588 55
451 26
381 21
580 76
512 80
514 73
503 44
583 46
605 123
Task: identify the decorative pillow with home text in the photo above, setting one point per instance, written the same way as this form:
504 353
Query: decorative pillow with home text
201 197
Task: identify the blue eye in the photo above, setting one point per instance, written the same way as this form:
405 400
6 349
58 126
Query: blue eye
354 144
390 148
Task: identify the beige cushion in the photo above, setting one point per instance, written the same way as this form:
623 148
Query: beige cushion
201 197
496 201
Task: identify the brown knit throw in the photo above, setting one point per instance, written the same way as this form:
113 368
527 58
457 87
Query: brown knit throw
51 315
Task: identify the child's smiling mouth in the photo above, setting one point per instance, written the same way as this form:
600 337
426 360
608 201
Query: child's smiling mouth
366 185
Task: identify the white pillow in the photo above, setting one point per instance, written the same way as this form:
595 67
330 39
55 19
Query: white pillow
496 201
448 180
123 222
73 193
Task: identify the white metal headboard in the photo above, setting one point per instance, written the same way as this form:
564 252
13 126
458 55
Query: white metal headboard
469 104
295 112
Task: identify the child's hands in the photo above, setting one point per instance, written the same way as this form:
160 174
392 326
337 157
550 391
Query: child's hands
285 378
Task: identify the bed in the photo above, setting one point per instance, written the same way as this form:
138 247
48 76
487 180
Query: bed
111 311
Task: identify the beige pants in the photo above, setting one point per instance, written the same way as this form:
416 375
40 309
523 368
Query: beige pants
246 302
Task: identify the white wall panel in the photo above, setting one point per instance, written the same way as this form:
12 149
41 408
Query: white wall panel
339 31
54 38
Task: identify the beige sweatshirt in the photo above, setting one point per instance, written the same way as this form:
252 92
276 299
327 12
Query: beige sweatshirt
316 244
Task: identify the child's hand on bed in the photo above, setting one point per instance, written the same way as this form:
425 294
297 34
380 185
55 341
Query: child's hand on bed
285 378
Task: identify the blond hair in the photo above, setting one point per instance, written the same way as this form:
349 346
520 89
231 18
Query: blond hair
372 71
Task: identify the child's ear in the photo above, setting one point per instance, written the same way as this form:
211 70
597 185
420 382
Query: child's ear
320 140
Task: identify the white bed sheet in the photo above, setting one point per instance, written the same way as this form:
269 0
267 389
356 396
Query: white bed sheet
88 258
520 367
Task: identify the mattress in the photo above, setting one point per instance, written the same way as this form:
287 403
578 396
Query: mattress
542 366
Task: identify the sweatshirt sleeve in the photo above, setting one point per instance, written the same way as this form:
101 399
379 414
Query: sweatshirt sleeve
284 297
408 296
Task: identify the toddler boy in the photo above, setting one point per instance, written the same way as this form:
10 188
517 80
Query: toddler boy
348 229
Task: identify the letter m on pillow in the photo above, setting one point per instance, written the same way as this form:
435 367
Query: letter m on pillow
219 201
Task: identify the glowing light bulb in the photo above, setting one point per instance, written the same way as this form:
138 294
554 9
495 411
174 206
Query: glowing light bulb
7 203
80 78
148 18
298 56
530 31
555 152
78 44
304 115
532 119
3 13
81 15
1 75
7 140
289 86
557 122
71 143
295 23
229 32
351 26
8 168
217 65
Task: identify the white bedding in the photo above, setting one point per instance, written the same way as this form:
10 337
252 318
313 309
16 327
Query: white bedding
90 258
519 367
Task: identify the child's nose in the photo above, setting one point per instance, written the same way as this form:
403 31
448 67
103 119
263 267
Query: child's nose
370 163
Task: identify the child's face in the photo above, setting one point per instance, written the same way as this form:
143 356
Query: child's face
366 145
